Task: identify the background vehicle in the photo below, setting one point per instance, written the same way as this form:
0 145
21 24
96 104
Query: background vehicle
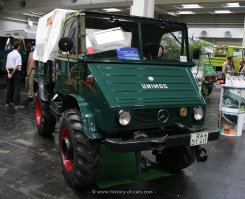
108 85
26 47
210 76
222 52
204 73
232 97
205 77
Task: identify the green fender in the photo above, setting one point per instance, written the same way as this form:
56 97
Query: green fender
87 117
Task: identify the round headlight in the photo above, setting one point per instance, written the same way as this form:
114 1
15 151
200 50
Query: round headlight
183 112
198 113
124 117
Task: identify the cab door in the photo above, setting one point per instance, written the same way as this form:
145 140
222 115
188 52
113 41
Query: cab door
66 63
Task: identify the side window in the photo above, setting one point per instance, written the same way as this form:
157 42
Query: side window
8 44
29 44
172 48
71 31
22 45
3 42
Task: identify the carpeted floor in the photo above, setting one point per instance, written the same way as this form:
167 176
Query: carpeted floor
120 168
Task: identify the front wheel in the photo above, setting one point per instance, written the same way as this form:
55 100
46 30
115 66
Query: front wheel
79 154
176 158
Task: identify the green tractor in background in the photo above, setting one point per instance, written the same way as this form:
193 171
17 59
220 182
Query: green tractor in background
208 77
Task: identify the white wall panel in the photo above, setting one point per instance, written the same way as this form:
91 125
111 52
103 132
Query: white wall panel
7 25
216 32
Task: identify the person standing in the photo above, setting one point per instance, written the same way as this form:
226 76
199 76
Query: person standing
228 66
242 68
30 75
13 67
8 49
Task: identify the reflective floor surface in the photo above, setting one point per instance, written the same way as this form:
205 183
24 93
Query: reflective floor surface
30 166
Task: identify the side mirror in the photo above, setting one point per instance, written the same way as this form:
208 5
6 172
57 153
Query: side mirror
65 44
196 53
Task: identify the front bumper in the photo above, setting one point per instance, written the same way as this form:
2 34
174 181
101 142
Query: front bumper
156 143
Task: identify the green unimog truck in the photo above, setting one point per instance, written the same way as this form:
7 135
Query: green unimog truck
110 80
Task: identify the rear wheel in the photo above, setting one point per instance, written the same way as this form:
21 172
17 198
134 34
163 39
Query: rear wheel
79 155
175 159
44 120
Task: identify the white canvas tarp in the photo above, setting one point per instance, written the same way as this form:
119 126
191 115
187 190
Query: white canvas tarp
49 32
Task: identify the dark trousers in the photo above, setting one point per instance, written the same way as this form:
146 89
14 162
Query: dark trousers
13 89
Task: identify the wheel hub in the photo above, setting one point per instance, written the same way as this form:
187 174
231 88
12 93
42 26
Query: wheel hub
67 149
38 112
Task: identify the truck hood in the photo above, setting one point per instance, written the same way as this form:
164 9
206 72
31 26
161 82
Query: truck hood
132 84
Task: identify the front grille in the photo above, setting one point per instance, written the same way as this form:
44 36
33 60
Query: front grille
149 116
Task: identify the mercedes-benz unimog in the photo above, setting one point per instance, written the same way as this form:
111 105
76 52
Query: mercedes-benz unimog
110 80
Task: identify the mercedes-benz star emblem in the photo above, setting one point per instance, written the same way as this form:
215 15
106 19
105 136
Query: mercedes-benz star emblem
151 78
162 115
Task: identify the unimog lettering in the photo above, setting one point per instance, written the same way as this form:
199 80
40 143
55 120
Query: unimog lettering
153 86
97 97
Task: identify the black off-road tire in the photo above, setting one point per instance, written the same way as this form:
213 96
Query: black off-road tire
177 158
45 121
81 169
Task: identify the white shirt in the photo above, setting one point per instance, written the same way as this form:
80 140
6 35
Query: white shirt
13 60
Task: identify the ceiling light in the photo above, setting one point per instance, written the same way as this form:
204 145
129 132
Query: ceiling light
30 23
31 15
233 5
188 6
111 10
172 13
37 13
222 11
34 14
185 12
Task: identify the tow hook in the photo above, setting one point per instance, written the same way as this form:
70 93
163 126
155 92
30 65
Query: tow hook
201 154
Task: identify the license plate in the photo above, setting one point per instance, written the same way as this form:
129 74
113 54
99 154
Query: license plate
199 138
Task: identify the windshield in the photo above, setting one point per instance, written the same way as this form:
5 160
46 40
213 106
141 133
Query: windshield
220 52
113 38
163 41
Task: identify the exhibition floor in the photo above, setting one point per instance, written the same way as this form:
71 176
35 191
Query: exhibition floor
30 166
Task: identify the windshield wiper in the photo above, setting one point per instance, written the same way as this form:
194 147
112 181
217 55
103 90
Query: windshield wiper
171 32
